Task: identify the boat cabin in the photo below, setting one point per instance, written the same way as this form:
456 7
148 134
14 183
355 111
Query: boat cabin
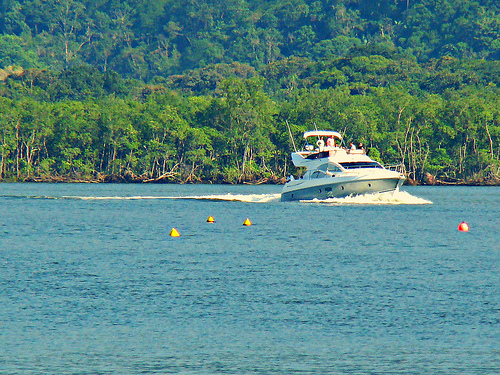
324 145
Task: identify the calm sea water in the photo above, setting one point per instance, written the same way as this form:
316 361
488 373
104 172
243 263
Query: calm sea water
92 283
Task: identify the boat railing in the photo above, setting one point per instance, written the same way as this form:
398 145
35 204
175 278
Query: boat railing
397 168
359 151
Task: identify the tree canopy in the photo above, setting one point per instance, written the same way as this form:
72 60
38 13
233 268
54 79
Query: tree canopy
146 39
181 90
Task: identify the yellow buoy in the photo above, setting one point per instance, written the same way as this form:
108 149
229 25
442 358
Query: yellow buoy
174 233
247 222
210 219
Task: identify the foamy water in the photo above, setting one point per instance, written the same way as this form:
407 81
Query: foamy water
398 197
250 198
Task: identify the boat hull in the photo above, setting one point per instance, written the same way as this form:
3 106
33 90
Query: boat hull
339 188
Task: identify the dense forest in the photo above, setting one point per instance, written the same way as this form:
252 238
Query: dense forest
201 91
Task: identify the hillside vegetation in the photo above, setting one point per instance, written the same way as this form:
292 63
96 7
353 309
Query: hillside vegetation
191 91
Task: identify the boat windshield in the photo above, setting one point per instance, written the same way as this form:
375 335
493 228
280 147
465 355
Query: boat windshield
360 164
326 170
318 155
329 167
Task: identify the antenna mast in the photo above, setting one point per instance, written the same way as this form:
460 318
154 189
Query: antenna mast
291 137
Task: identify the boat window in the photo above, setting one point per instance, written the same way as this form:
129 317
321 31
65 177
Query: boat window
318 155
333 168
319 174
360 164
323 167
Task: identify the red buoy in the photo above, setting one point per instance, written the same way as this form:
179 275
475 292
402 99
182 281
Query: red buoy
463 227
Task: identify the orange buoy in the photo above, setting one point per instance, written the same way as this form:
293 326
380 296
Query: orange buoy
174 233
463 227
247 222
210 219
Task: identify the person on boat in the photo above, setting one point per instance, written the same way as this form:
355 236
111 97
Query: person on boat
330 142
320 143
361 147
353 147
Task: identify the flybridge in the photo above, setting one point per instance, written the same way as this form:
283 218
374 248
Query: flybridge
322 133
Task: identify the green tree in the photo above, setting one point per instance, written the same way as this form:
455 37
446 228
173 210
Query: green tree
245 116
15 51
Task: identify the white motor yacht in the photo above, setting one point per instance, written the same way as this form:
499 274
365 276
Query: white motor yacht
335 172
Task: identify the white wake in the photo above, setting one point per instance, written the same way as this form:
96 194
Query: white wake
391 198
250 198
396 197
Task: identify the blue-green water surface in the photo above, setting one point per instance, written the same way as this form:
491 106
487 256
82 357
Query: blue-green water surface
92 283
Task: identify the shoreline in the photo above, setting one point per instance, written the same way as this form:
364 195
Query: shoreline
131 179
